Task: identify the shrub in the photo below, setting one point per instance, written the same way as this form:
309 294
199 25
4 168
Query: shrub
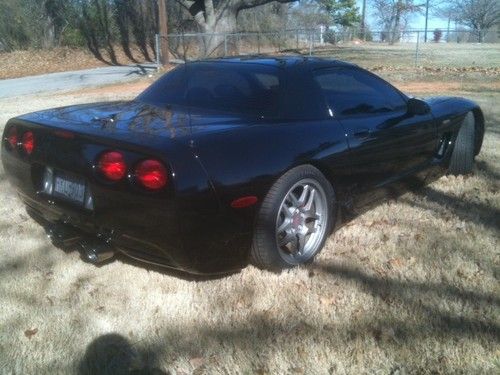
437 35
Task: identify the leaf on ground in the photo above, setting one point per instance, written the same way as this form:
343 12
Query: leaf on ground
29 333
395 262
197 361
301 284
328 301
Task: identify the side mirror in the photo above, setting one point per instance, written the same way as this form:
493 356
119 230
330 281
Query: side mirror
417 107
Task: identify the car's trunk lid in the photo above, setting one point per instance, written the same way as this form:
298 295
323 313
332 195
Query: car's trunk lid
135 122
118 120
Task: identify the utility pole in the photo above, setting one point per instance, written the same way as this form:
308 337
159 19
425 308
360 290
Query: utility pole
163 31
363 20
426 19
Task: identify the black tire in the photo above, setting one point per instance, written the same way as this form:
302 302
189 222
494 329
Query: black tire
462 157
265 252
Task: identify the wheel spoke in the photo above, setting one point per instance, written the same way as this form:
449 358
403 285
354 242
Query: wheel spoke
293 199
284 226
303 196
286 211
301 242
312 230
310 201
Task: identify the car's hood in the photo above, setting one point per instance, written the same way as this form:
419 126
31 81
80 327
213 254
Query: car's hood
136 117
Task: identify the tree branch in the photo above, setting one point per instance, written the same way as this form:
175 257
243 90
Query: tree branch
196 10
209 11
247 4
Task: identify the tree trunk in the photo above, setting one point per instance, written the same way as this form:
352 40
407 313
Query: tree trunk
139 29
448 31
48 40
217 40
122 22
103 19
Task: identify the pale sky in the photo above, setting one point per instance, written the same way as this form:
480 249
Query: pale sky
417 21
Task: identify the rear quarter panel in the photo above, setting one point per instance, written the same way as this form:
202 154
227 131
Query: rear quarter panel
247 160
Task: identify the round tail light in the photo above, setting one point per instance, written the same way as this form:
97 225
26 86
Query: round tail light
11 137
151 174
112 165
28 142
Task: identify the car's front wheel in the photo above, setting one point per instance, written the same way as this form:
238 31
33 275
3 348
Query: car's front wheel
462 157
294 219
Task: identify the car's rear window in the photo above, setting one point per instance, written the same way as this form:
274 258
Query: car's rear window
250 89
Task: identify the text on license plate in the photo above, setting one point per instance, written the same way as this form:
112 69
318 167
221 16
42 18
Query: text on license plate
69 188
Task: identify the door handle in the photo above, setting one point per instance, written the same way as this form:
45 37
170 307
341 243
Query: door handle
362 133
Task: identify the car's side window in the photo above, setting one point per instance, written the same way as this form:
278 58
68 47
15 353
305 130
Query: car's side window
351 91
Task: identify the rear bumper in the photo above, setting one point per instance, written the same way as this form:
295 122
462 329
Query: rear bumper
187 231
199 251
132 241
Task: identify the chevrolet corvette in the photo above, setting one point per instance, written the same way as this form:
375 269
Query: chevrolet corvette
221 163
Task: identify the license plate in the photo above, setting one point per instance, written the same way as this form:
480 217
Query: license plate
69 187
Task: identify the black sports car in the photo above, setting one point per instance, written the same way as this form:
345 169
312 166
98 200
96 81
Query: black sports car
224 161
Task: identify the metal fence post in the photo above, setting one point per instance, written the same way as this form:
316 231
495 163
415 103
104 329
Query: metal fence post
258 44
416 49
310 42
157 51
225 44
184 52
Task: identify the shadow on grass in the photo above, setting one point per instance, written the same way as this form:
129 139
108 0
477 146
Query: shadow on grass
258 332
113 354
488 170
411 293
475 212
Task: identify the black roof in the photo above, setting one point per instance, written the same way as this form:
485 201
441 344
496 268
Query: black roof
287 60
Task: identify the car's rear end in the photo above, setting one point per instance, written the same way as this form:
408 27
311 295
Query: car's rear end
110 182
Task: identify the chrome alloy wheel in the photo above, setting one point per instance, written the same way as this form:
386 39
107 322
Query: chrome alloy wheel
301 221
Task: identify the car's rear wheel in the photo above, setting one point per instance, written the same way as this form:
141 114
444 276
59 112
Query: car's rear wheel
294 220
462 157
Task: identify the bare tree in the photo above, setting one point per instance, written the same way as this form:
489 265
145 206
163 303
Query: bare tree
141 16
448 12
96 26
219 16
393 16
123 24
479 15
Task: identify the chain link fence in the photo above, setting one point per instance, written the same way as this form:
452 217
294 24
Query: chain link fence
454 48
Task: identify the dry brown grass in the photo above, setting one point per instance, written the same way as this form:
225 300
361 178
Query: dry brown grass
411 287
32 62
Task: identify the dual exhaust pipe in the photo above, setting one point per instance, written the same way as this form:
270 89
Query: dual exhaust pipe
95 251
92 249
